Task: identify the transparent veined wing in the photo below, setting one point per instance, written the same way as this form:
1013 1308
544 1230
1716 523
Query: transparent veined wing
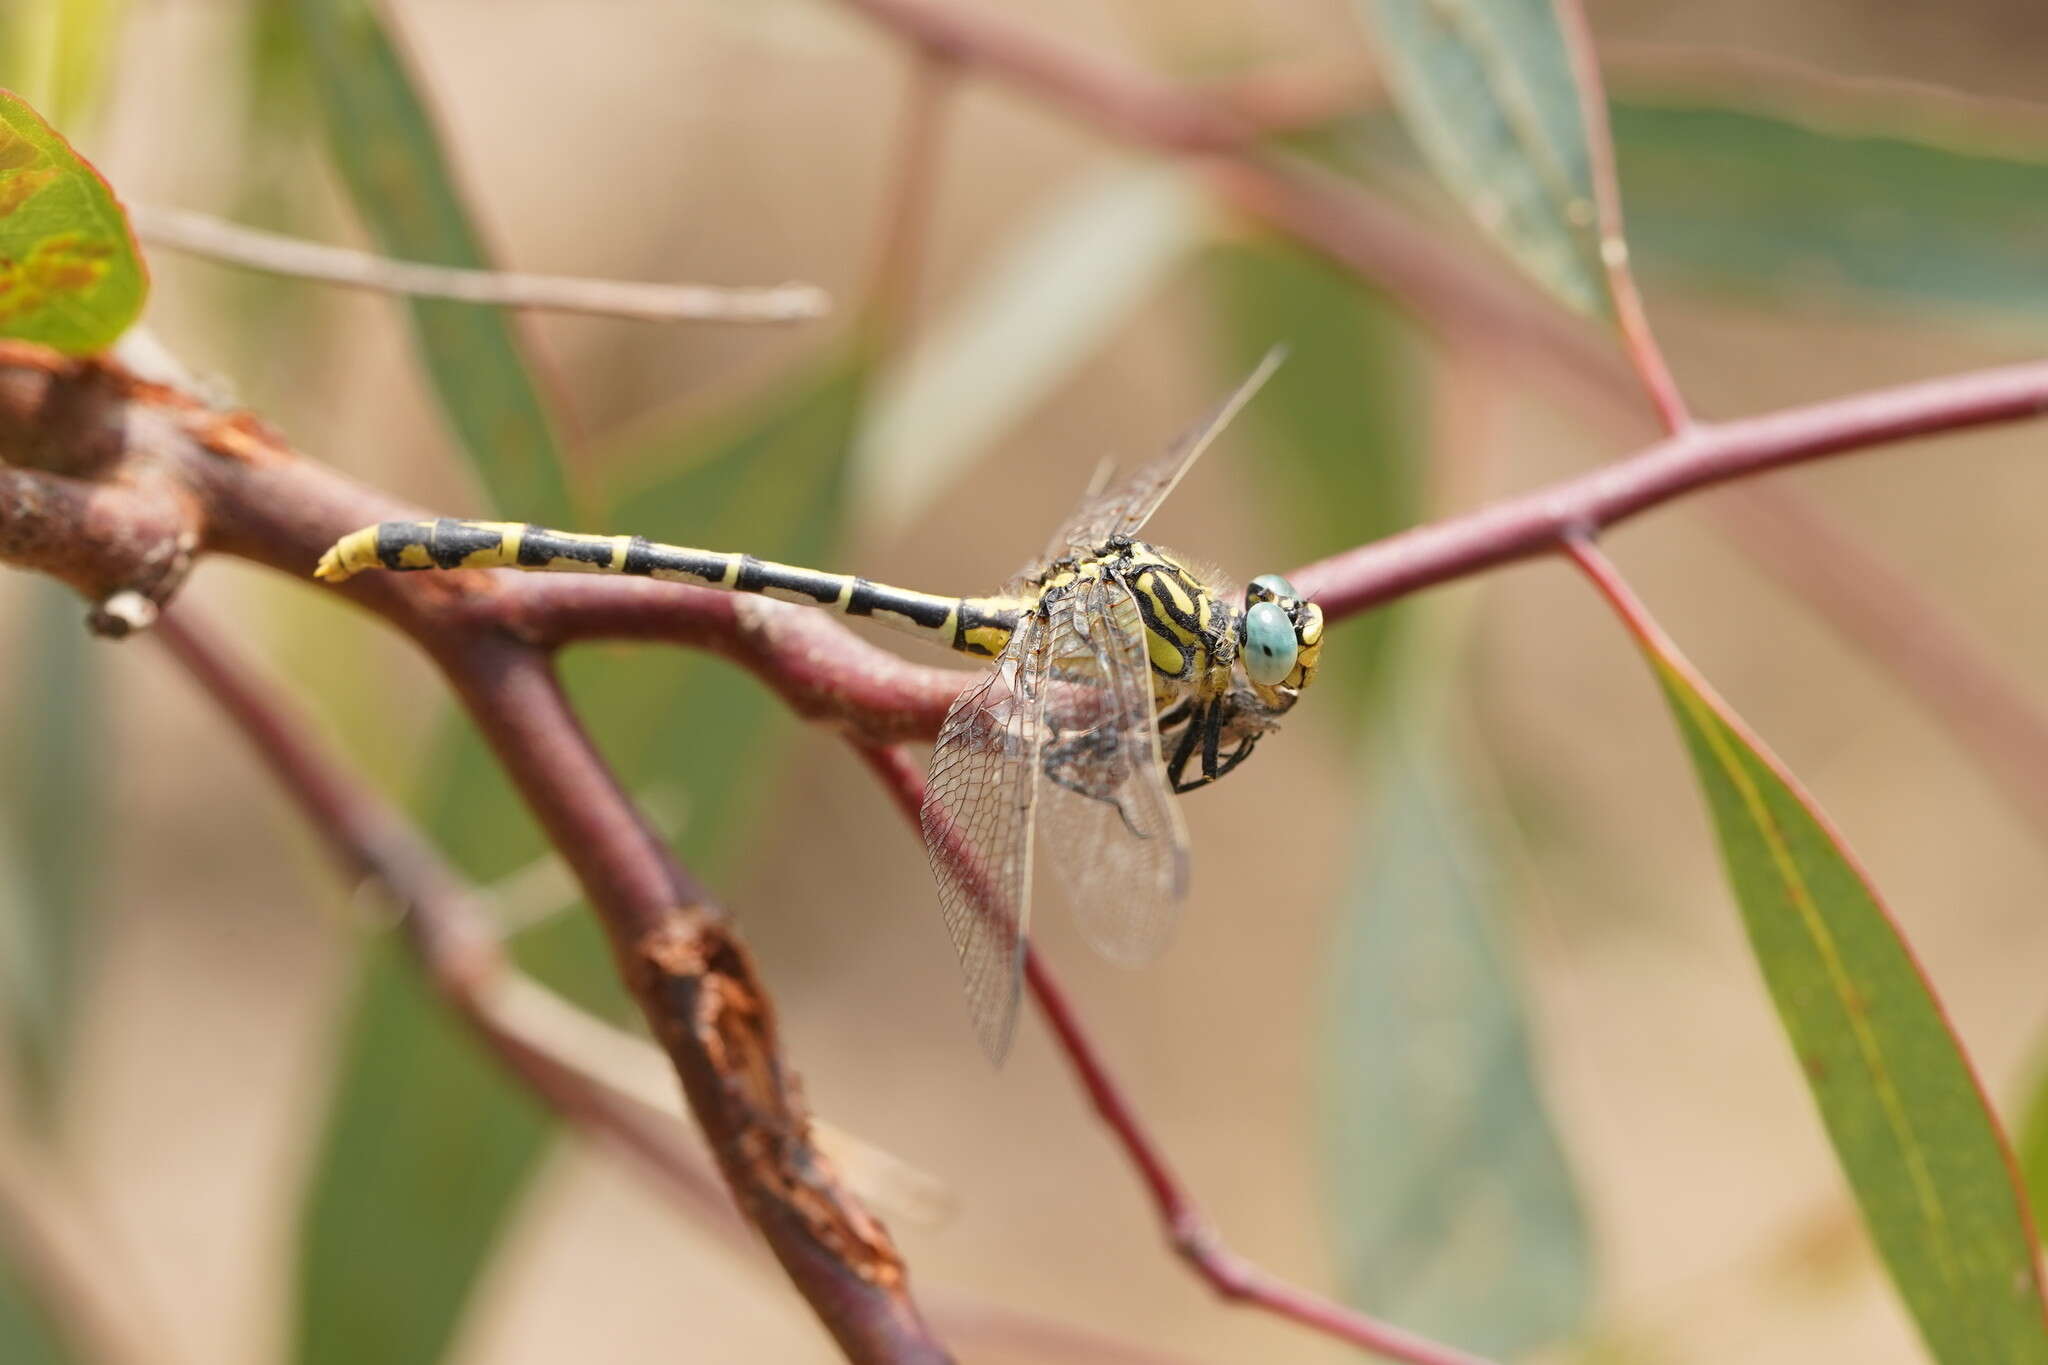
1109 828
1125 508
979 805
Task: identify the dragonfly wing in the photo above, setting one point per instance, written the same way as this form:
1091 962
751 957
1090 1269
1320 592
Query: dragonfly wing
1125 508
979 805
1113 833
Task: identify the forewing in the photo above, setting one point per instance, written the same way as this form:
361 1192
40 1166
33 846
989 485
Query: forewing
1125 508
977 821
1111 829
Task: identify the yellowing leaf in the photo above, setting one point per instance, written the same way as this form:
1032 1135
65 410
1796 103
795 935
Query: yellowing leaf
70 274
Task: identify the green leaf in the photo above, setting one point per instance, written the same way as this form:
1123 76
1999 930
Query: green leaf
1772 205
424 1146
384 141
392 1240
1452 1208
1486 89
1909 1124
71 276
1338 428
56 828
2033 1143
1051 295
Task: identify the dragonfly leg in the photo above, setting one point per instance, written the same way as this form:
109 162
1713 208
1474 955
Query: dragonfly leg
1184 750
1237 755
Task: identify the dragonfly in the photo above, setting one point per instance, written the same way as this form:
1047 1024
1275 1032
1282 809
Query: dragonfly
1123 676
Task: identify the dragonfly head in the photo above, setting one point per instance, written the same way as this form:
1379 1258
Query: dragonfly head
1280 640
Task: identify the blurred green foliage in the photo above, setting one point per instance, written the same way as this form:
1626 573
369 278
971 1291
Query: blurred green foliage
1770 206
55 828
1486 89
1454 1211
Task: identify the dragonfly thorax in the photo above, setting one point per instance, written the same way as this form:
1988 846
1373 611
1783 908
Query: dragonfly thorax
1191 633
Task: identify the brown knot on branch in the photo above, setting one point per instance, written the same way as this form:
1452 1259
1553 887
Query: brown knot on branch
81 497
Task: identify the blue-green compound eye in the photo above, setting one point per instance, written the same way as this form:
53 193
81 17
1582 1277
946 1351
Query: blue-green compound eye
1269 643
1274 586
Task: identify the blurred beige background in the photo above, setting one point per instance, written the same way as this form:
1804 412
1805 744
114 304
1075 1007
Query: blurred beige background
748 142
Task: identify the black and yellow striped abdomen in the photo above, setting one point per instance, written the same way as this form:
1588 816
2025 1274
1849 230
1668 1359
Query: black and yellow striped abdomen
974 625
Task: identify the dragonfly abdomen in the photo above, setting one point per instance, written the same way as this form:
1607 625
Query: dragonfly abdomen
973 625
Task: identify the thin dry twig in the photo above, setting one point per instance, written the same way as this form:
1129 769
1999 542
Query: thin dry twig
889 310
1187 1228
217 239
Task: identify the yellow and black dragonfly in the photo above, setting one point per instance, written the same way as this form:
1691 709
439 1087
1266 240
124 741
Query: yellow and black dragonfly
1122 676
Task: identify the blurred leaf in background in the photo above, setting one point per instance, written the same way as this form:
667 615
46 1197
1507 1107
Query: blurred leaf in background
57 53
1764 203
424 1146
1047 299
1797 196
1453 1210
1485 87
55 813
382 137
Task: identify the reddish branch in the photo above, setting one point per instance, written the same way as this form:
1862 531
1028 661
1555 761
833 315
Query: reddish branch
115 485
1221 130
131 480
1187 1228
1697 458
